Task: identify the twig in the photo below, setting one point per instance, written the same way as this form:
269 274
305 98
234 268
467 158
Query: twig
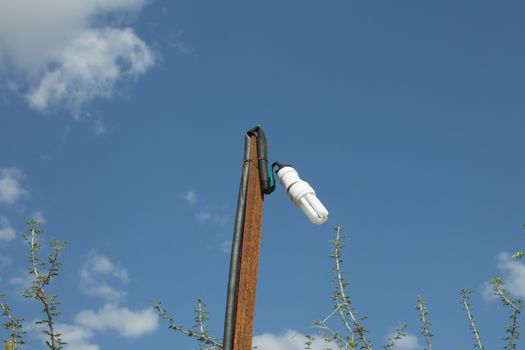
200 321
13 323
344 306
308 343
465 295
519 254
328 334
425 328
398 335
513 329
37 290
201 337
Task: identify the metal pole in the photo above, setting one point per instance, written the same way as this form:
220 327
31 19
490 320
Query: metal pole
235 260
242 283
249 261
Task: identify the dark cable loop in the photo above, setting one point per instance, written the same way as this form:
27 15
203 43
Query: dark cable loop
265 176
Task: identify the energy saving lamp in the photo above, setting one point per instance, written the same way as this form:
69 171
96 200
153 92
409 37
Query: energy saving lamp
301 193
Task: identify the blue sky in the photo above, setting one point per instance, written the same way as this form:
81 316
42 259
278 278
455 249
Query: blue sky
121 126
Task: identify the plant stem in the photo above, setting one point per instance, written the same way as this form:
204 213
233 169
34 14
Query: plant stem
425 329
344 298
465 294
201 337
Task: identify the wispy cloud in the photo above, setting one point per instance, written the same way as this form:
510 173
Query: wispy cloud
206 216
22 281
89 67
289 340
513 272
97 272
408 342
11 189
175 40
190 197
226 246
76 337
99 128
125 322
39 217
110 318
203 216
7 233
67 53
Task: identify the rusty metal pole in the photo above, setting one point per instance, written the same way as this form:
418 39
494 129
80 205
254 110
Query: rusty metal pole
249 260
256 181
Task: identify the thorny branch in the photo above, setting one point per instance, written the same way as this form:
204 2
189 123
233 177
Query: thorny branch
14 324
37 290
425 328
202 337
513 329
465 295
341 297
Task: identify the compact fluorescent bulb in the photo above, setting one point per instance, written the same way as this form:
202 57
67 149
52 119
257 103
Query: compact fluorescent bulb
302 194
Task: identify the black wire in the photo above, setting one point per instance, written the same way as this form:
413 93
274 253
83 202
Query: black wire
279 166
265 177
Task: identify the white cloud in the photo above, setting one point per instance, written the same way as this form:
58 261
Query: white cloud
206 216
76 337
10 188
408 342
203 216
487 292
190 197
39 217
23 281
104 290
96 273
122 320
226 246
289 340
90 67
66 53
100 264
79 335
513 272
7 233
110 317
99 128
175 41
